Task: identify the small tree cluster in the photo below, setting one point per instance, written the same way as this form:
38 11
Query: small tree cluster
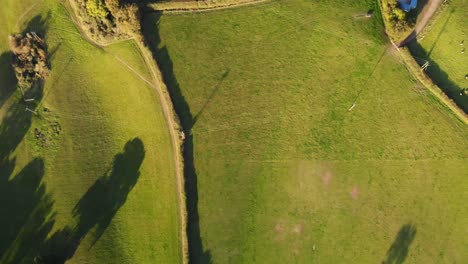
110 19
96 8
127 17
30 58
96 18
398 18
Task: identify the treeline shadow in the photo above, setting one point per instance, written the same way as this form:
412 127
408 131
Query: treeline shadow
17 119
8 80
414 13
27 216
150 27
98 206
440 77
399 249
38 24
26 208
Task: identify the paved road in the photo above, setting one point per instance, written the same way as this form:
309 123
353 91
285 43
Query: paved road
424 17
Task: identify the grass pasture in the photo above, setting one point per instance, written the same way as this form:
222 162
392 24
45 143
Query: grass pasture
443 45
278 169
99 185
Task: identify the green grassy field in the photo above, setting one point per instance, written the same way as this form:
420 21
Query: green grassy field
443 45
278 170
100 184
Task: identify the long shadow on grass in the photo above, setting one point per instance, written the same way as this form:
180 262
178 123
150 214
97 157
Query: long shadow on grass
398 251
7 77
96 209
26 215
26 208
38 24
440 77
152 38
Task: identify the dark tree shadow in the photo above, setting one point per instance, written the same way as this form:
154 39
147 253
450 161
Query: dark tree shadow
26 216
150 27
102 200
440 77
38 24
412 36
26 209
8 81
14 126
398 251
414 14
7 77
96 209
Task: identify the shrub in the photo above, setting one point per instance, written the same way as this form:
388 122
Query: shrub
395 17
110 19
29 59
96 8
127 16
399 14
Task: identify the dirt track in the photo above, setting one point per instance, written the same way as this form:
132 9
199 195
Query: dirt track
172 124
424 17
209 8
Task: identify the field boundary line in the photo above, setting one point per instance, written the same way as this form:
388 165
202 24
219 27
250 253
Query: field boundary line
413 67
176 139
170 116
185 7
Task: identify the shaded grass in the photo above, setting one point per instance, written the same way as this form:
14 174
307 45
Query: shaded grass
400 247
441 47
161 55
279 122
91 106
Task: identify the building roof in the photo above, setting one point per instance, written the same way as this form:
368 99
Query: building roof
407 5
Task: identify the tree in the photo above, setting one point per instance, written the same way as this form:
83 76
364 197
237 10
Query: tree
29 58
96 8
127 17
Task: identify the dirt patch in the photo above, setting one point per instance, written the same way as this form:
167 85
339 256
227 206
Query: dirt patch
279 228
326 178
355 193
279 234
297 229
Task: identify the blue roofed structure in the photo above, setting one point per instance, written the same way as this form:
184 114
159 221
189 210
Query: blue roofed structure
407 5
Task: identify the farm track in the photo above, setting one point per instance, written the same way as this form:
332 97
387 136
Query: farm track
169 115
426 14
188 9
